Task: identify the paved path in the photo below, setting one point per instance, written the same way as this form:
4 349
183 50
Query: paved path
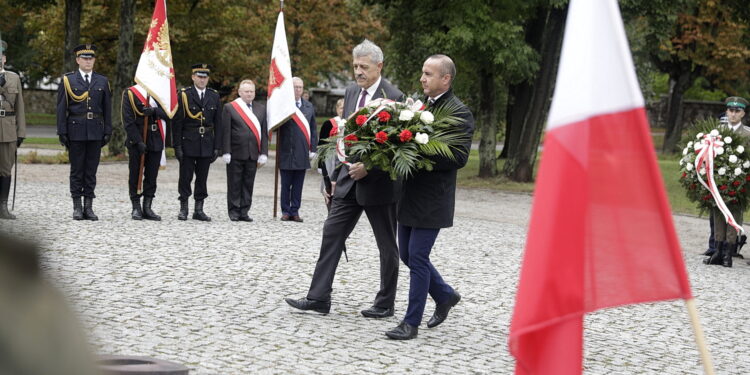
210 295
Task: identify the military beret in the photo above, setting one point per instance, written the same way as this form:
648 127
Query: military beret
202 70
85 50
736 102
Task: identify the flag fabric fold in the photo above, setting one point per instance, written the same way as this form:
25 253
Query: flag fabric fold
601 231
155 71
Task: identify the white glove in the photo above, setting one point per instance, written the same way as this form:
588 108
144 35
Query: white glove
320 171
227 158
312 155
262 160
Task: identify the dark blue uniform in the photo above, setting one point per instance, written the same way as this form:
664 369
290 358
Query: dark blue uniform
84 117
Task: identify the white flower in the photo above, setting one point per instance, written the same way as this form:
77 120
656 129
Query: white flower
714 133
690 144
682 161
427 117
698 146
421 138
405 115
740 149
719 150
699 135
689 167
702 171
727 140
746 164
722 171
737 171
685 151
733 158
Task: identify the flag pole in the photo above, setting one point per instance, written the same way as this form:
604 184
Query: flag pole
276 174
708 366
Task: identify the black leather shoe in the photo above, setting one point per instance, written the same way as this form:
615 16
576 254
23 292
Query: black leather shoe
198 213
246 218
441 310
88 209
403 331
377 312
183 211
137 213
234 218
308 304
77 209
286 218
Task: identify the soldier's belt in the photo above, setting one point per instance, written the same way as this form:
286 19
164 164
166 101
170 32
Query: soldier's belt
200 129
85 116
4 113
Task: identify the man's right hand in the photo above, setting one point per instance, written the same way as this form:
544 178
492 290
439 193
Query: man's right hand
64 140
333 188
148 111
141 147
178 153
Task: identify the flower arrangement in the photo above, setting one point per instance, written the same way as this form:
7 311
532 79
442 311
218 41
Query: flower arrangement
715 159
396 137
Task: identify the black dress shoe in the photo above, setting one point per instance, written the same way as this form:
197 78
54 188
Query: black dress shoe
403 331
234 218
308 304
246 218
377 312
441 310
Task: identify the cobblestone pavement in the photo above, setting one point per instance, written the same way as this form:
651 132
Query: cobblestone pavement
210 295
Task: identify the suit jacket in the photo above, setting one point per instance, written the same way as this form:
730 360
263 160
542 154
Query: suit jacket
377 187
430 196
238 139
292 150
186 130
72 114
12 127
132 120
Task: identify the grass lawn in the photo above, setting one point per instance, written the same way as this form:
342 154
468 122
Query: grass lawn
40 119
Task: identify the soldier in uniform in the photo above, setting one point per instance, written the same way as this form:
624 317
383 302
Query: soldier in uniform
84 126
197 138
12 128
136 107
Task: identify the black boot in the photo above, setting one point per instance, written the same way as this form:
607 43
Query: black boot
718 255
88 210
137 214
198 214
4 192
183 210
148 214
726 259
77 209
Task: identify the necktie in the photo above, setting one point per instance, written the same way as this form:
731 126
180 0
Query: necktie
250 105
431 101
362 99
86 78
299 104
201 95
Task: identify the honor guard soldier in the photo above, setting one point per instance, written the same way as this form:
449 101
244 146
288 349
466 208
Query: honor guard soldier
12 128
196 138
139 108
84 126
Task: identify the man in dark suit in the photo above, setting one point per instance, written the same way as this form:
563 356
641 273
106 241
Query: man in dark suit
84 126
294 150
196 138
357 189
136 106
245 147
428 204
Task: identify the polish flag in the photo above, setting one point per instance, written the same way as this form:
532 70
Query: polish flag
601 231
281 105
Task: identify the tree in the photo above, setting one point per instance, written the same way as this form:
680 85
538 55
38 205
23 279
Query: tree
73 10
124 73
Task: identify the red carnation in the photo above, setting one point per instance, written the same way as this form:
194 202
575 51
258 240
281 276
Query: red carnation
384 116
381 137
684 174
361 120
707 197
334 131
742 190
350 139
405 135
736 183
723 187
747 178
732 193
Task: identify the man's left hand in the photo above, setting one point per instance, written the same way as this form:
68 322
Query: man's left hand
19 141
107 137
357 171
262 159
312 155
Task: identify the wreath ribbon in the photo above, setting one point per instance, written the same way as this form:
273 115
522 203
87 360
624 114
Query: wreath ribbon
705 158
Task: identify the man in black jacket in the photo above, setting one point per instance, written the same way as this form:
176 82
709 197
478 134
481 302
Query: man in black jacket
245 147
356 189
196 138
428 204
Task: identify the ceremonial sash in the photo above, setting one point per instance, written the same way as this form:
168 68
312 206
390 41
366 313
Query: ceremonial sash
248 117
141 93
302 124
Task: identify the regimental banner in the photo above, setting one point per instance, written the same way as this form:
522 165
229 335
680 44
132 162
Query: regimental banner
155 72
280 105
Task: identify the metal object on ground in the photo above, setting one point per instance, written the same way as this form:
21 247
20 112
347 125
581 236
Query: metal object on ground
132 365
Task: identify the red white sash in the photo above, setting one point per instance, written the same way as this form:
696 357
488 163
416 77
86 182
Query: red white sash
248 117
141 94
302 124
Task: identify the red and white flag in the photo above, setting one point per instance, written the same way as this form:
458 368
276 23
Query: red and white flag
281 104
155 71
601 231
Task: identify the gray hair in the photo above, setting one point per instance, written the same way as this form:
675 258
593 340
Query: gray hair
246 82
446 65
368 48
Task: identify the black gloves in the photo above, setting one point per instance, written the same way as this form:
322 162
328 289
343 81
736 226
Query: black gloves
2 80
148 111
64 140
107 137
141 147
178 153
19 141
216 156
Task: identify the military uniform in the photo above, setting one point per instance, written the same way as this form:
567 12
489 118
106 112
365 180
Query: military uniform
135 109
84 125
12 130
197 139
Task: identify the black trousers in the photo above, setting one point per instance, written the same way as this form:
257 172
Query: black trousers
84 161
188 167
341 220
240 181
150 172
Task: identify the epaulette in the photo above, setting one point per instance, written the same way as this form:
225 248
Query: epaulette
69 73
186 88
208 88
